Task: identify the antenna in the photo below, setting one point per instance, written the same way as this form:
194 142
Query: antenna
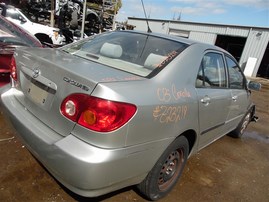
149 30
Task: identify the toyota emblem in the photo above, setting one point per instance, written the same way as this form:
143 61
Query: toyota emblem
36 73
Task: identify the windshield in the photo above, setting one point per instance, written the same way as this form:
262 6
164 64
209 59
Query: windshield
135 53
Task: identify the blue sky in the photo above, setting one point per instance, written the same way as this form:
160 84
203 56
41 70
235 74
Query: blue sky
232 12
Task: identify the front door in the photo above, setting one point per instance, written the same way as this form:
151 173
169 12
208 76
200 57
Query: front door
239 94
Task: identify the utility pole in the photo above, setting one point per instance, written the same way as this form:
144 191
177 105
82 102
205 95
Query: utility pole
83 19
115 12
52 13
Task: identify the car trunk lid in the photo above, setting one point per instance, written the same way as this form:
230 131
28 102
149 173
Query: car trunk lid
47 76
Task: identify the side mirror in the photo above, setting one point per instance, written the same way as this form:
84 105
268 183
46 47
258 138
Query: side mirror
252 85
22 19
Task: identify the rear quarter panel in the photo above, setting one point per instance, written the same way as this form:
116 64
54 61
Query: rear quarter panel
166 104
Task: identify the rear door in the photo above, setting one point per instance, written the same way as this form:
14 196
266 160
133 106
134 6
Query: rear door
214 97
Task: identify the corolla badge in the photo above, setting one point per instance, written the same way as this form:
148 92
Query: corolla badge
36 73
77 84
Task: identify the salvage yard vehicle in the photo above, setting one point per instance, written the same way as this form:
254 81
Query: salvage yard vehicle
12 36
125 108
44 33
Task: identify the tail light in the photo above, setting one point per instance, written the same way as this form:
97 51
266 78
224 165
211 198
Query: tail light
95 113
7 64
13 68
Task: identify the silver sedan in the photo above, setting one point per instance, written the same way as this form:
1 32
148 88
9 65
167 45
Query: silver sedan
125 108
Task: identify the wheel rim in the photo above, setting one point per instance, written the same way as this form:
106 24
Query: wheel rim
245 123
171 169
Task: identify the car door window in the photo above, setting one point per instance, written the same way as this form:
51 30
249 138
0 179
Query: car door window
236 78
212 72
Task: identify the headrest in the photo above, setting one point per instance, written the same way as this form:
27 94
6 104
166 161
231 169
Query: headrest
153 60
111 50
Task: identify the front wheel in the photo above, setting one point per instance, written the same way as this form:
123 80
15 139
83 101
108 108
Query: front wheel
168 169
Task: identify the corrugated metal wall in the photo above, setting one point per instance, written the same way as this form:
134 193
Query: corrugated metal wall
197 27
204 37
255 47
206 28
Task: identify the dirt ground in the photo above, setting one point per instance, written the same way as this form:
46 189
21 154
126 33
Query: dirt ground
227 170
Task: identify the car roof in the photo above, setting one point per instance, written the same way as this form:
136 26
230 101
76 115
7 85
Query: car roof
3 5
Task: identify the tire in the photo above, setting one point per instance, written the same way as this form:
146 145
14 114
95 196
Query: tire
166 172
239 131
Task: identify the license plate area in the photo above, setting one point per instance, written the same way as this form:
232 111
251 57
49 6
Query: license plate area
37 93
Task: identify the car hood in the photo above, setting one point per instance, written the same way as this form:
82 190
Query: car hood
34 28
47 76
39 28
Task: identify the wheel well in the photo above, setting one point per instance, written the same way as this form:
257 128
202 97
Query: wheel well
191 137
253 111
92 17
43 38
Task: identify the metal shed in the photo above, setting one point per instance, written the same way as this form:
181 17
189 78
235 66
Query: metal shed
249 45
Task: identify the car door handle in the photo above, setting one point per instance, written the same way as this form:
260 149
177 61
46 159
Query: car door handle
205 100
234 98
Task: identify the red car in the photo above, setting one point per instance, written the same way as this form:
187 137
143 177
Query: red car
12 36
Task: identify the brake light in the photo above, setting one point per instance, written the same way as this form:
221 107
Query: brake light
95 113
13 68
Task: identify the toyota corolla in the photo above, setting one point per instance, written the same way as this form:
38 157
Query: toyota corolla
125 108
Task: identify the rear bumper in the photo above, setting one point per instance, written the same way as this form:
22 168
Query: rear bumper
83 168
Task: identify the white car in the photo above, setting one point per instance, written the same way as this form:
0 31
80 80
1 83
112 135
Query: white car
42 32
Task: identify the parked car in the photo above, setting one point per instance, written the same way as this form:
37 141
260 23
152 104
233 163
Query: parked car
125 108
44 33
12 36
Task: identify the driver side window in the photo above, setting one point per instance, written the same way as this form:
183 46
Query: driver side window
236 78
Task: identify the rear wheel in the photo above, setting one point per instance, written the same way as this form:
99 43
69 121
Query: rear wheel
164 175
239 131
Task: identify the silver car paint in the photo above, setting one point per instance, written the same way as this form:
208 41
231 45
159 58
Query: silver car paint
91 163
83 168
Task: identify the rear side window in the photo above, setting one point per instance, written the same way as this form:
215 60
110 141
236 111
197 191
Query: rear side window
140 54
236 78
212 72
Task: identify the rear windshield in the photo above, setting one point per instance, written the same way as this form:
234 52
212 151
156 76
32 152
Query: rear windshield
140 54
